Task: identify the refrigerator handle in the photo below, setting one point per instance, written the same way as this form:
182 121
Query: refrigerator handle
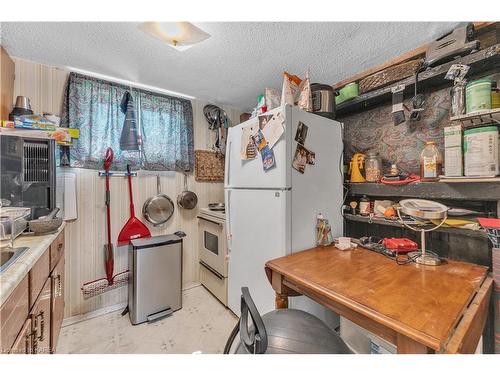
228 162
228 222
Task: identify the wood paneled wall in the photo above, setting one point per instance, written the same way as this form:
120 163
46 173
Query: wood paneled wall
85 236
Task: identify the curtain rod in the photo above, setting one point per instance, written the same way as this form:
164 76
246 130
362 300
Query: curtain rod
129 83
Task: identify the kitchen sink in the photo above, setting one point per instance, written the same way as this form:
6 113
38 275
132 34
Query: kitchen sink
8 256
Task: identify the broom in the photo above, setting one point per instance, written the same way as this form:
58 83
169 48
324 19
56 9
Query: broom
110 282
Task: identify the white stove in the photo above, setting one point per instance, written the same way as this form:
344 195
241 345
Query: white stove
215 213
213 252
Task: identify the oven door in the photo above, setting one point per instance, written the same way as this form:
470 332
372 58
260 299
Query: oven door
212 244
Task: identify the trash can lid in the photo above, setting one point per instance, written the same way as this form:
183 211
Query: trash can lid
155 241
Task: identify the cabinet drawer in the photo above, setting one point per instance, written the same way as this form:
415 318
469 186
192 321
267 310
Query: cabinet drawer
13 314
40 316
38 276
56 250
215 283
24 341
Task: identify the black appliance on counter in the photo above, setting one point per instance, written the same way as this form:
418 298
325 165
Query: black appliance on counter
28 173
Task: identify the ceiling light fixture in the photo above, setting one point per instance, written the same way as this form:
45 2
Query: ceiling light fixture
130 83
178 35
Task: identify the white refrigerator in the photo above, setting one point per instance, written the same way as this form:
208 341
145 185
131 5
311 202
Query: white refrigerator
272 213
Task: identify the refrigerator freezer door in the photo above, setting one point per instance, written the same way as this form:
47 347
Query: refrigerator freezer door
258 230
250 173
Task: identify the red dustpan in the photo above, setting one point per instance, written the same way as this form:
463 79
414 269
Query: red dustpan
133 228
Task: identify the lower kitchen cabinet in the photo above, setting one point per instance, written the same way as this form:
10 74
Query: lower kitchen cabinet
40 316
32 315
24 341
57 305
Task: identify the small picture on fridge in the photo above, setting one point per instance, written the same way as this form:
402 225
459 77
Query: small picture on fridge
301 134
300 158
259 140
268 160
263 120
311 158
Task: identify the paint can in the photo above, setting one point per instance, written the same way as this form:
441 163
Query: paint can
478 95
481 151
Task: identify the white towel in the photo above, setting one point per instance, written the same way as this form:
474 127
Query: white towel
66 195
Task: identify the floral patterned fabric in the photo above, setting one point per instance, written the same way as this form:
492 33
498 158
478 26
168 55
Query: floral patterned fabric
167 133
92 105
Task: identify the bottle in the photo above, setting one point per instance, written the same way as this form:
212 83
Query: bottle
394 170
431 162
373 167
364 206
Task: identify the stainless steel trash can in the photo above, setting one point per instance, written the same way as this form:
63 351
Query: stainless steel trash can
154 289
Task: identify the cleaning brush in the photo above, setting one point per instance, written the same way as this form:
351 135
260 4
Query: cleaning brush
99 286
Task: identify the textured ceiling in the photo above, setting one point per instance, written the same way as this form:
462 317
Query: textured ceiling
233 66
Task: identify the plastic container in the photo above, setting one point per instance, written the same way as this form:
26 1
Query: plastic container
348 92
495 95
478 95
373 167
481 151
431 162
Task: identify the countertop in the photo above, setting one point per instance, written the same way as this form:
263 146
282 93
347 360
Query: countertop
15 273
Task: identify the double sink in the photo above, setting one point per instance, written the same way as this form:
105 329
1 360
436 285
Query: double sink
9 256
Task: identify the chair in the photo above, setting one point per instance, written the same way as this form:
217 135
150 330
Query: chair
283 331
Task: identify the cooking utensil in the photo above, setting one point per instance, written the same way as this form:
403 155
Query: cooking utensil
187 199
109 258
133 228
159 208
46 224
21 108
323 99
216 206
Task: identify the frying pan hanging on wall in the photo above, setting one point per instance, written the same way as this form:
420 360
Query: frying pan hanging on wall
159 208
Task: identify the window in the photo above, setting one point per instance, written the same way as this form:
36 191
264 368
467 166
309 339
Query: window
166 123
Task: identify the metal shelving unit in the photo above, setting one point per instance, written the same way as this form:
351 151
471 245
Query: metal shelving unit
479 118
484 60
459 190
395 223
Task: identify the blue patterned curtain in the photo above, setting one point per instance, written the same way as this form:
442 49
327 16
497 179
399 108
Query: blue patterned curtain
93 106
167 132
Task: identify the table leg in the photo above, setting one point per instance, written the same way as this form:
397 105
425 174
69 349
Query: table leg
408 346
281 301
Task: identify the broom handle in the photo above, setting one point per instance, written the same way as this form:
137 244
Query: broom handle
132 210
108 203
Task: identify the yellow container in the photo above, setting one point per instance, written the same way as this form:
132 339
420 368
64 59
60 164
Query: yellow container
495 99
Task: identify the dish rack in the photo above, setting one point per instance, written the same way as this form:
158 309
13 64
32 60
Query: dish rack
13 221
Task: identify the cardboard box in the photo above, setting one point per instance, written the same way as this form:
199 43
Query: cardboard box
453 153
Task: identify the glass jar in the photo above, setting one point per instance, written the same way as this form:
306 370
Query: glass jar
431 162
373 167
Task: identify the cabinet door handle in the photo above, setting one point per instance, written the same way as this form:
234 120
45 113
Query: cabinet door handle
28 347
41 315
59 286
34 346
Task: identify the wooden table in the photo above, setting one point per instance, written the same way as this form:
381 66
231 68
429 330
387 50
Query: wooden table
420 309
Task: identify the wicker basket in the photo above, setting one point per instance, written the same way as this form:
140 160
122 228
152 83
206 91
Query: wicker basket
389 75
209 166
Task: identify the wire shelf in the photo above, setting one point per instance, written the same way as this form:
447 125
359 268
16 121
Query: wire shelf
478 118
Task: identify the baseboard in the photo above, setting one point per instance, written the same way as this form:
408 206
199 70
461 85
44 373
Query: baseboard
93 314
109 309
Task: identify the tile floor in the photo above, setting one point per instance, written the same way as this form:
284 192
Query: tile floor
203 324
